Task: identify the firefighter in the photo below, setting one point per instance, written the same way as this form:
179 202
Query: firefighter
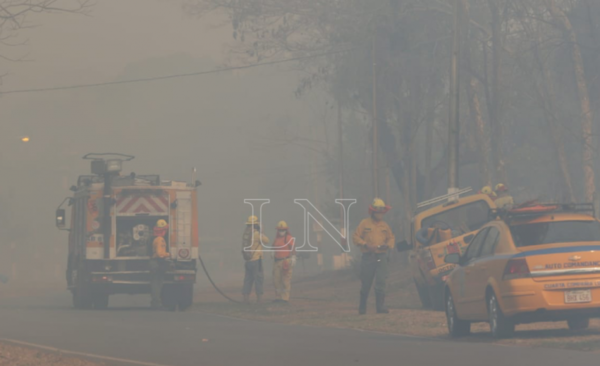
159 262
285 259
253 241
504 199
375 239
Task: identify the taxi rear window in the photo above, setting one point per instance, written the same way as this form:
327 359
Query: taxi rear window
526 235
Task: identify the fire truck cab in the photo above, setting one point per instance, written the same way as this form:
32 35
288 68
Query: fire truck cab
112 218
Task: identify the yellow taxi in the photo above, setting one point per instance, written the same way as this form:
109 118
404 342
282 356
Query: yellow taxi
532 264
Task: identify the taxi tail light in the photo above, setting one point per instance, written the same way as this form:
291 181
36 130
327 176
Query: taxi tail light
429 260
516 268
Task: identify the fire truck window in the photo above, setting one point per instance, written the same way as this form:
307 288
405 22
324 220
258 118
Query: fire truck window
135 236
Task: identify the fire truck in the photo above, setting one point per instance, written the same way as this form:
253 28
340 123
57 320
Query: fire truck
110 235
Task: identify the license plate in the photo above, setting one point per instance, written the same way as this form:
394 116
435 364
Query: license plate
580 296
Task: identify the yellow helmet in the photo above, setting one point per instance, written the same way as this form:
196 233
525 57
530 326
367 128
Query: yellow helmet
378 203
161 223
282 225
501 188
378 206
252 220
487 190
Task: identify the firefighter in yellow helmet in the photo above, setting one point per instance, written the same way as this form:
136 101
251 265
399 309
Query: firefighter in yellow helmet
375 239
252 251
285 259
504 199
158 262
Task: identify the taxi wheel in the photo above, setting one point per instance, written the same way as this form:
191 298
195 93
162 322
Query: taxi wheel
500 326
456 327
578 323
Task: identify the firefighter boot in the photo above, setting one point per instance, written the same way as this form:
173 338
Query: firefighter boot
379 298
362 308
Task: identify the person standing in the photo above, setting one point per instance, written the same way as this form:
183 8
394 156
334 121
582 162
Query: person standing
158 263
375 239
285 259
252 251
504 199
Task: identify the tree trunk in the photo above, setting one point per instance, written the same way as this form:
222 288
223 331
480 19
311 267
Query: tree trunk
584 99
546 95
484 143
493 96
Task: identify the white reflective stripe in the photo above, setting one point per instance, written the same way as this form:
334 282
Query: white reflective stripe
563 272
184 222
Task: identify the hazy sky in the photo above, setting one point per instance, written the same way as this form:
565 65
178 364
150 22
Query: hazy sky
220 123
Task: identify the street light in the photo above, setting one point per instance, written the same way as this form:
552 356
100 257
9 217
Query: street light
25 139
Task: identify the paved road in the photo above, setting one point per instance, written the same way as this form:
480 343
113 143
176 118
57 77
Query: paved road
177 339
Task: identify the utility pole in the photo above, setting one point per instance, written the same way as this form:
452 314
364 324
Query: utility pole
454 118
375 132
341 167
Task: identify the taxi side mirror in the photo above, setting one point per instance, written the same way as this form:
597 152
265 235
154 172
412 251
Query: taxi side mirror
61 218
403 246
452 258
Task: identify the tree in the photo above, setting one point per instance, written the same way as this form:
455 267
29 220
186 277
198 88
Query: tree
526 79
14 17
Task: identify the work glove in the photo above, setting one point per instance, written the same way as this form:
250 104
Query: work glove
293 261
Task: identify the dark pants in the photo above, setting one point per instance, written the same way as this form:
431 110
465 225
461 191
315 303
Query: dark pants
254 276
158 267
373 266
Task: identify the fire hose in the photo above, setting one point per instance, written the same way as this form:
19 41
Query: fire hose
213 283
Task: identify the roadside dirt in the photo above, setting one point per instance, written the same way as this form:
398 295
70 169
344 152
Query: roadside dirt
331 300
22 356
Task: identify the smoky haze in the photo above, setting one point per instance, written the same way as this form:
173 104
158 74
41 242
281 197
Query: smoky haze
230 126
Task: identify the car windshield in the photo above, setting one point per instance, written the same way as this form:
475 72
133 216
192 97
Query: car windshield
465 218
525 235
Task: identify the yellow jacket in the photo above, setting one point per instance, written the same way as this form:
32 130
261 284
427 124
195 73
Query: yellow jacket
159 248
371 234
257 245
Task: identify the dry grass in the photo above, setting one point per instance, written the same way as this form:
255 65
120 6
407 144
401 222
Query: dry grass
331 300
22 356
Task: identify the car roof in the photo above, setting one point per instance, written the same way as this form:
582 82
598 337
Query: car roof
563 216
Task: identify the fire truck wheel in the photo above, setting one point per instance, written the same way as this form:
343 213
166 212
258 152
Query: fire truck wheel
168 297
186 297
82 298
100 301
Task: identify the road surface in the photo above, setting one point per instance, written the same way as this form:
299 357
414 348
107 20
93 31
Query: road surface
131 332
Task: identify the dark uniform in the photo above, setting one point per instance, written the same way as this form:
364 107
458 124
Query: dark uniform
375 239
158 267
